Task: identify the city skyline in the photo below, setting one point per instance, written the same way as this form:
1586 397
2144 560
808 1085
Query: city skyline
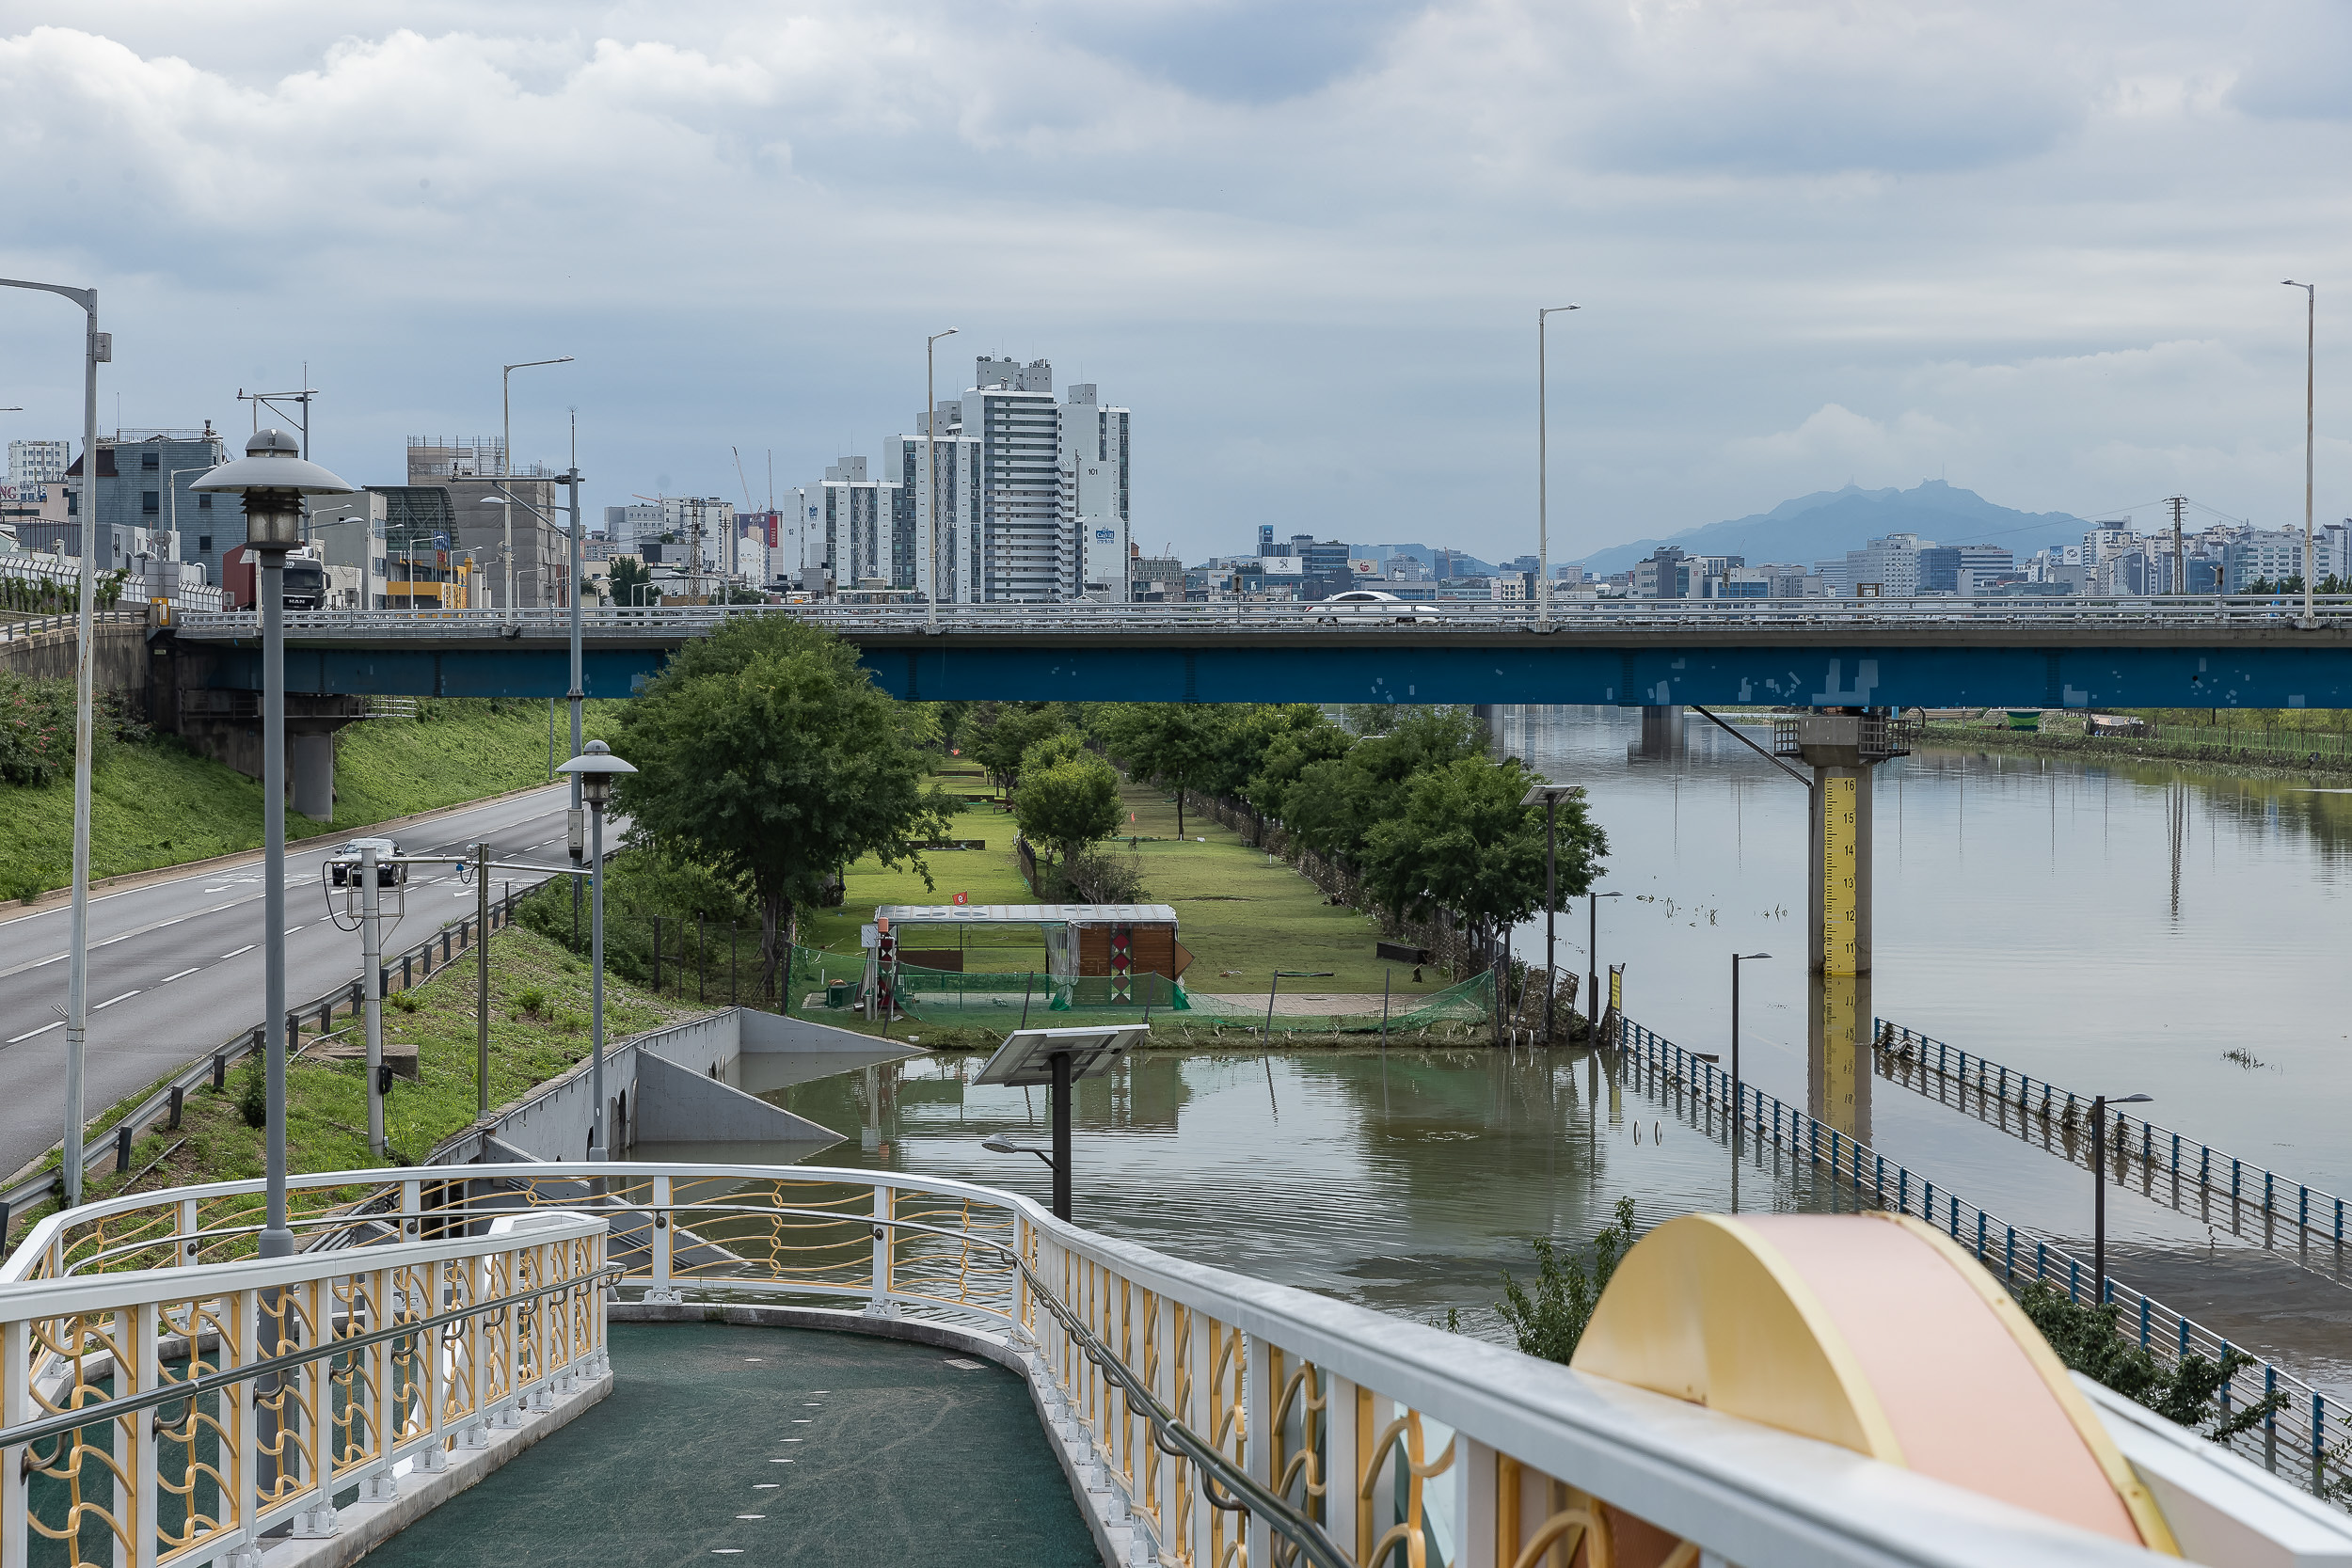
1804 255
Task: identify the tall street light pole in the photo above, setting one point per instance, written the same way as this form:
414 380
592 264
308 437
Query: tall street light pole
1736 959
506 454
931 467
2099 1104
1550 795
2310 349
1543 467
274 478
593 770
97 349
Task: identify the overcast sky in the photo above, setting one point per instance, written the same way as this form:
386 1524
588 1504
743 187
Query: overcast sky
2034 249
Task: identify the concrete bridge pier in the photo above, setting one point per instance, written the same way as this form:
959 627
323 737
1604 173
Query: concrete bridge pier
1842 747
1662 735
311 771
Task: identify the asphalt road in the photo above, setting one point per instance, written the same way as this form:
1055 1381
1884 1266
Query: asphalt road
176 966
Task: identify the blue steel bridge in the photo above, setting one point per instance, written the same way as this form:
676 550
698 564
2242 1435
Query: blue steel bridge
2114 653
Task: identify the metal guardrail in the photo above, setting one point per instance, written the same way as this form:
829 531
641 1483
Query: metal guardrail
2316 1214
2295 1435
15 629
1309 617
112 1141
1221 1415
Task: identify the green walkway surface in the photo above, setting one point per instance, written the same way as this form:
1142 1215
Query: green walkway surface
773 1445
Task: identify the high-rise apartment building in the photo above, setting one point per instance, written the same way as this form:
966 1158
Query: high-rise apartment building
853 528
39 462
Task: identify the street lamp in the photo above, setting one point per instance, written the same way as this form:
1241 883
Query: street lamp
930 469
1548 795
98 348
1543 466
2099 1104
1592 957
1006 1146
1736 959
593 771
2311 347
273 477
506 454
579 692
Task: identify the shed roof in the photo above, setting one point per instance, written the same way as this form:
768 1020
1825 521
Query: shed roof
1028 914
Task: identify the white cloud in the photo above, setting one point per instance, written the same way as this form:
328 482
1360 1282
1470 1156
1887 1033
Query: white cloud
2032 249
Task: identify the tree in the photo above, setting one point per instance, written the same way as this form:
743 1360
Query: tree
628 575
767 754
1549 1324
1060 746
1007 734
1335 804
1066 805
1293 744
1464 843
1178 743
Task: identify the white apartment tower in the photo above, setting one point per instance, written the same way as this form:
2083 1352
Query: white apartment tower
39 462
852 530
1095 493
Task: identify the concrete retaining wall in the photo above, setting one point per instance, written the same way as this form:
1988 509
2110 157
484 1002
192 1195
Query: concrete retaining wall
119 656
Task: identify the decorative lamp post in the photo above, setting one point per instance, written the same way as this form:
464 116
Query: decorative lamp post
2099 1104
273 477
595 767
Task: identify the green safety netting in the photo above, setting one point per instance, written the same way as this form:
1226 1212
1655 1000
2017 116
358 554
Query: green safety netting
1003 999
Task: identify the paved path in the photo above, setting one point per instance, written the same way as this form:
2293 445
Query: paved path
175 964
772 1446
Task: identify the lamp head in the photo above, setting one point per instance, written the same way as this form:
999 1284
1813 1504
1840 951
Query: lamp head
1001 1146
597 768
1741 957
272 476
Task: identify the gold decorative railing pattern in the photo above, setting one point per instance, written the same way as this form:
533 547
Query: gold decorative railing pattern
223 1400
1234 1423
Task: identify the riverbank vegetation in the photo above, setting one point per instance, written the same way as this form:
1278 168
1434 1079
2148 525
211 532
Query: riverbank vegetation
155 803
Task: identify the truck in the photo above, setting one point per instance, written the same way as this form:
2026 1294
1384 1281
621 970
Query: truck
303 588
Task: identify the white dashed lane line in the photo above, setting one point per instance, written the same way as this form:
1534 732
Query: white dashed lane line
182 975
246 948
30 1032
111 1000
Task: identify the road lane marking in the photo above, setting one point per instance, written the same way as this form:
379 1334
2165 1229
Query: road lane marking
246 948
111 1000
30 1032
182 975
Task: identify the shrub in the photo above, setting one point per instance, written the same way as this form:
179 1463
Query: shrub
254 1091
531 1001
2090 1339
1550 1323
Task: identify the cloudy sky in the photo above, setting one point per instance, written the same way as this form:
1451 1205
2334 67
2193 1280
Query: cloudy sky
2034 249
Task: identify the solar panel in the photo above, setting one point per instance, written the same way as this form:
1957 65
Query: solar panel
1025 1058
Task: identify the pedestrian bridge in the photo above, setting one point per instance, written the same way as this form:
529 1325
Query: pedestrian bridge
510 1363
2213 653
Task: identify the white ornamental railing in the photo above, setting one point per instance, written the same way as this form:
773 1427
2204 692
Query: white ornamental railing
1232 1419
161 1415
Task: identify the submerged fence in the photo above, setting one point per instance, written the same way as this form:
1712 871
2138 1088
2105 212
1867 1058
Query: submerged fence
2293 1438
2156 1152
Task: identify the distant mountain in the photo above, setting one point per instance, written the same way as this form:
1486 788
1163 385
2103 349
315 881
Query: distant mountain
1829 523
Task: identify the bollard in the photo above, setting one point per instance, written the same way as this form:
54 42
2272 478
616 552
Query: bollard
173 1125
405 981
221 1070
122 1147
2143 1322
4 1228
2009 1254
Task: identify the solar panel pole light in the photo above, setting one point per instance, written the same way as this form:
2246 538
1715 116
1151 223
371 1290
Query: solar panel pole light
2099 1104
596 768
1548 795
1592 957
1057 1058
1266 1036
1736 959
273 477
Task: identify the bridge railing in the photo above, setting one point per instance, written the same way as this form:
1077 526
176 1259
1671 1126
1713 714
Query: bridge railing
2291 1441
176 1415
1220 1413
666 620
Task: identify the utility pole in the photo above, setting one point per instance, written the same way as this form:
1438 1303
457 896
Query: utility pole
931 466
372 982
2310 350
482 980
1543 471
2180 560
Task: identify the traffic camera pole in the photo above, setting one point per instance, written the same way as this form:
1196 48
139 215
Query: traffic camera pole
371 984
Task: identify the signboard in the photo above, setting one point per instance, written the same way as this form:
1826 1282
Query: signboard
869 936
1104 536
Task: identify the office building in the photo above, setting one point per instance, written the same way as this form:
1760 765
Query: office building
474 470
143 479
1941 565
2262 555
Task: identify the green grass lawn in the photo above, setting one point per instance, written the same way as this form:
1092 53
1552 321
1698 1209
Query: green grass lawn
1234 909
160 804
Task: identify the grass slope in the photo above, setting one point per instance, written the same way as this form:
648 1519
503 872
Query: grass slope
160 804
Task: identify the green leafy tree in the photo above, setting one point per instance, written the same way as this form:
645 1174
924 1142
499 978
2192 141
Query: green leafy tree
767 754
1068 804
628 576
1549 1322
2186 1392
1335 804
1465 843
1009 732
1178 743
1060 746
1288 751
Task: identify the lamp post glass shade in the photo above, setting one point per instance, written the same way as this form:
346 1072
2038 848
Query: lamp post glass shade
595 767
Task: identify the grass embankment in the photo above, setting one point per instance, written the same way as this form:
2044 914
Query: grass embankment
538 1029
159 804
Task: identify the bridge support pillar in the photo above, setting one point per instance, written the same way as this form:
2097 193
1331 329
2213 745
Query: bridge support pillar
311 772
1842 747
1662 735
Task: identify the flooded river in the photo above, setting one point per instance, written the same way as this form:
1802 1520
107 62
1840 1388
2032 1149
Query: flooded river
2115 928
